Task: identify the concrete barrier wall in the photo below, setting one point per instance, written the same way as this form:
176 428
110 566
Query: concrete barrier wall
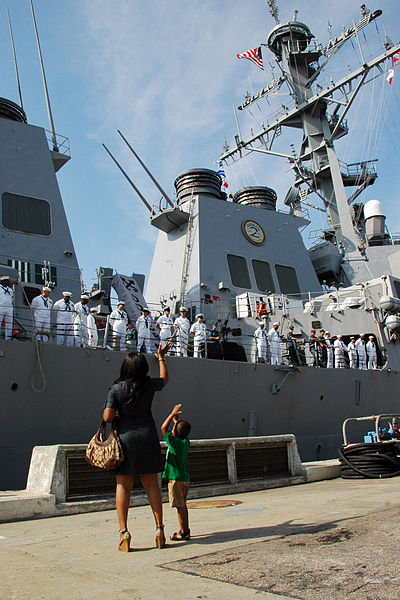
48 467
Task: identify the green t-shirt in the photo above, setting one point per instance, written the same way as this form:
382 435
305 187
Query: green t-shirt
175 468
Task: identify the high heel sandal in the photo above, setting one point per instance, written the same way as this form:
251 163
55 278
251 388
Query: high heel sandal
160 537
124 541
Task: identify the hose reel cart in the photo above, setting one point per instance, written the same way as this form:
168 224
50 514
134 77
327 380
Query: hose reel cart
377 458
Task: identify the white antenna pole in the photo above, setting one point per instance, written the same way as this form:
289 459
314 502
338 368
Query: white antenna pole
143 199
15 60
46 91
154 180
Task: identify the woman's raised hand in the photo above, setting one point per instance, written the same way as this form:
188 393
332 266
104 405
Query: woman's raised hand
162 350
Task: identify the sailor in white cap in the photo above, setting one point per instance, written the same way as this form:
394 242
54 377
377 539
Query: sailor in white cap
6 306
182 327
325 287
340 349
371 351
199 331
93 336
119 322
274 341
352 351
260 336
65 311
80 321
165 325
41 306
143 330
362 354
329 350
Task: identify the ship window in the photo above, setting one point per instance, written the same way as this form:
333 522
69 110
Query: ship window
263 275
23 268
24 214
287 278
43 276
238 271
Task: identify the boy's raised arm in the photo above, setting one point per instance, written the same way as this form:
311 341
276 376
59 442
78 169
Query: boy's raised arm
172 416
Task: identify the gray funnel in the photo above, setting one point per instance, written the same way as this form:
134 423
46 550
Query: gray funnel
260 197
198 181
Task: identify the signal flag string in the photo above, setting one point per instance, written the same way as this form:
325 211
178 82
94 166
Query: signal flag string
395 60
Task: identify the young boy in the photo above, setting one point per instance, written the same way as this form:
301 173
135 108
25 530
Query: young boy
175 469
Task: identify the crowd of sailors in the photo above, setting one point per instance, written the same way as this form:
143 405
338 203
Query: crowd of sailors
75 325
326 352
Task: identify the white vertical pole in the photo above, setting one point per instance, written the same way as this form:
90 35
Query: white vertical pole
46 91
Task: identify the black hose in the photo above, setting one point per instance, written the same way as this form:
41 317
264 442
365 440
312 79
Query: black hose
379 460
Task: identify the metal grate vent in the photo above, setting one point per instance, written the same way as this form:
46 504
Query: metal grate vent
208 466
262 461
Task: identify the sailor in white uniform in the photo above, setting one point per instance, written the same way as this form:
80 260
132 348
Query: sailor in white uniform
352 351
65 311
371 351
199 331
362 354
119 323
93 336
80 321
143 330
6 306
274 341
182 327
260 336
329 350
41 306
333 287
325 287
340 349
166 326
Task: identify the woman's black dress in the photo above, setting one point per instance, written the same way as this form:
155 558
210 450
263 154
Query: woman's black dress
137 430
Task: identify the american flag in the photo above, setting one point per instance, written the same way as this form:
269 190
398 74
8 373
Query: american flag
254 54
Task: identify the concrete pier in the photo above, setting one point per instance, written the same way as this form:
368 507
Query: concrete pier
326 540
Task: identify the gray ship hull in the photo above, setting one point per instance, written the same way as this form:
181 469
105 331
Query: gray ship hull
220 398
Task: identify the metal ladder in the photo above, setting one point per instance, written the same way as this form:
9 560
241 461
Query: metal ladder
188 250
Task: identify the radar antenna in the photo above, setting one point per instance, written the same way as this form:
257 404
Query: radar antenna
273 9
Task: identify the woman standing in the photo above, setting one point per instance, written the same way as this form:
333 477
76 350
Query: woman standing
131 397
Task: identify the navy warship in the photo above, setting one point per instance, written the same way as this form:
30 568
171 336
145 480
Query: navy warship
255 267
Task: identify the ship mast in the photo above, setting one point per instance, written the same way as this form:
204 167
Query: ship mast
324 175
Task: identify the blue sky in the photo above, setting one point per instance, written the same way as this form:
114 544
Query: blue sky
166 74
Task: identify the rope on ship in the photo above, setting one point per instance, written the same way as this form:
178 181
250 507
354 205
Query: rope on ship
374 461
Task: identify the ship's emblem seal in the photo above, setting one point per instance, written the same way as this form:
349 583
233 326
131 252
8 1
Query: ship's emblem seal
253 232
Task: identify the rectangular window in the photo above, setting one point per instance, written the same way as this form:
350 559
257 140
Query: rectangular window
287 279
23 268
238 271
263 275
42 275
24 214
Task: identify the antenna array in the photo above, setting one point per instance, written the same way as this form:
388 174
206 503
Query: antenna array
273 9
